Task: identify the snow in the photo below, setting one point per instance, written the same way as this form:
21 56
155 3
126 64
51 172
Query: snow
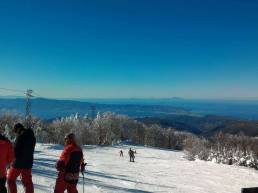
155 170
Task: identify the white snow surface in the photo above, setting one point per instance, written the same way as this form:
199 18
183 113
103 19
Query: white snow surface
155 170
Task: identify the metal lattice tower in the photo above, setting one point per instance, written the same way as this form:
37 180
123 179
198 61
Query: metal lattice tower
28 95
93 111
28 108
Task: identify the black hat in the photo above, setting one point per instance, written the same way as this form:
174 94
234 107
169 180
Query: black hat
70 136
18 126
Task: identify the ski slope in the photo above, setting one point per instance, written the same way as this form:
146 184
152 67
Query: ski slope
155 170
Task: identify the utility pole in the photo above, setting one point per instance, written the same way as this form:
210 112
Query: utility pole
28 108
28 95
93 111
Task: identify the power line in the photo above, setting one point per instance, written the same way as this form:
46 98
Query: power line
13 90
11 96
37 95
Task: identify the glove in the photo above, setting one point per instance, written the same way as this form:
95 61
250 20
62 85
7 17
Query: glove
60 166
83 165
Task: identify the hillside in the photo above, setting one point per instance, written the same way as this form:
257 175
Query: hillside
155 170
205 125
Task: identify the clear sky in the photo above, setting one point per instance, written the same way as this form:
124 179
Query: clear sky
130 48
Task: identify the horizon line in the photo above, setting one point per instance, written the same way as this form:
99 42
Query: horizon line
137 98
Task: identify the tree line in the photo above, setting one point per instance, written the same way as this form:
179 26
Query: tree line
110 129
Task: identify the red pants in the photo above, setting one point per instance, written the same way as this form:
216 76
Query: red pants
61 185
25 178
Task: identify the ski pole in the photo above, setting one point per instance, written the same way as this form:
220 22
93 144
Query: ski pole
83 182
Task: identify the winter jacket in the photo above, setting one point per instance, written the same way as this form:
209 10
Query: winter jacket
24 149
70 162
131 153
6 155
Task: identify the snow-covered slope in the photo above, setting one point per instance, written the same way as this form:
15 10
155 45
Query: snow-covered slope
154 171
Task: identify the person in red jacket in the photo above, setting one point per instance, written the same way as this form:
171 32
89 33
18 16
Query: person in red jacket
69 166
6 158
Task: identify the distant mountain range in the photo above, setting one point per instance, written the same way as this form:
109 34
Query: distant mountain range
51 108
195 117
244 109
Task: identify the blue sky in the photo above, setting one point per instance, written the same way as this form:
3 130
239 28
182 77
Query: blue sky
136 48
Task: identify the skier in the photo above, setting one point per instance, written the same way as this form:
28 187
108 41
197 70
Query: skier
121 153
7 157
24 149
69 166
131 155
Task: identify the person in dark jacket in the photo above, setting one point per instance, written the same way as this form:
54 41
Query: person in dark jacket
69 165
121 153
6 158
24 150
131 155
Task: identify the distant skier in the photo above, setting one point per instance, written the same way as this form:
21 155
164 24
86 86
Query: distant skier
24 149
69 166
131 155
7 157
121 153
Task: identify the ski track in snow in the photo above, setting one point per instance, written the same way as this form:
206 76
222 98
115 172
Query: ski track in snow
155 170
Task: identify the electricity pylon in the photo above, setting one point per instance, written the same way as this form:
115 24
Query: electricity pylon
28 108
93 111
